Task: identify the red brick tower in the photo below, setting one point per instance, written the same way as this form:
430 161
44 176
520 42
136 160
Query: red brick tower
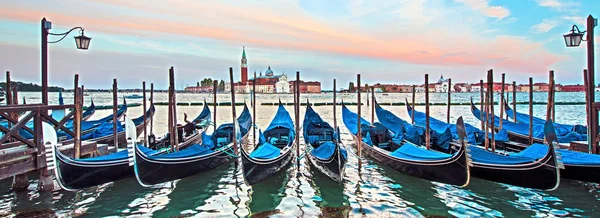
244 67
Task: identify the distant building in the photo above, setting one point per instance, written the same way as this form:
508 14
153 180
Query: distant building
306 87
441 85
462 87
573 88
198 89
270 82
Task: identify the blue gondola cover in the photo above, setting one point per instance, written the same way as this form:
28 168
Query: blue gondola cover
265 151
538 129
412 152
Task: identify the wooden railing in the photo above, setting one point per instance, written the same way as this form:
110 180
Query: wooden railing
595 136
35 114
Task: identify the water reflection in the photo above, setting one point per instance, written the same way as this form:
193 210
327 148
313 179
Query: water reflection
266 195
329 194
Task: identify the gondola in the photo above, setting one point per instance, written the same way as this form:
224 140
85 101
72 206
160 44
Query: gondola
519 132
101 131
86 126
539 170
89 111
380 144
324 152
561 129
213 151
577 165
73 174
273 151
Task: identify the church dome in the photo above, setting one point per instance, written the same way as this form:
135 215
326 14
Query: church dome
269 72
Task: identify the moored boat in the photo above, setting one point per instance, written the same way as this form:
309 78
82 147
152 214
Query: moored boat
324 145
403 156
73 173
539 170
577 165
213 150
273 151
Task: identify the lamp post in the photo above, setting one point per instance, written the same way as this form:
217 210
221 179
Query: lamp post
573 39
82 42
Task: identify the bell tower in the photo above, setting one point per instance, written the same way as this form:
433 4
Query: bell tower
244 66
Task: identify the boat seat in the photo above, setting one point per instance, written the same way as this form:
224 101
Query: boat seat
384 145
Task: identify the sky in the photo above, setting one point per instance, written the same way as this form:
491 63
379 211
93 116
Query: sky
391 41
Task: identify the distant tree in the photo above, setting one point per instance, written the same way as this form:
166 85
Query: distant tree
351 87
29 87
383 89
206 82
367 87
197 84
222 86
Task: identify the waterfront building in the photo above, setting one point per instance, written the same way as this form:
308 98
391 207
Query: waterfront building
270 82
573 88
441 85
307 87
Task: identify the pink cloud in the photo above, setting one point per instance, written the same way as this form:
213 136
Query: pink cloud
288 27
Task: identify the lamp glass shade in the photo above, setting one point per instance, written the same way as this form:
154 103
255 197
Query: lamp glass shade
573 39
82 42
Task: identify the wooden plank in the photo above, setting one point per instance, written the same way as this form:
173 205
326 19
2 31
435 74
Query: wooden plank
87 148
7 155
25 166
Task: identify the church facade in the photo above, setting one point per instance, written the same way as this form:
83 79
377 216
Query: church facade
267 83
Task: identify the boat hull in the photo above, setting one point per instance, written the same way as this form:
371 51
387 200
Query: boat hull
541 174
589 173
332 167
257 170
454 170
73 174
150 171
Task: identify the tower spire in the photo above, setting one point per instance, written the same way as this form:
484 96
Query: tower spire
243 51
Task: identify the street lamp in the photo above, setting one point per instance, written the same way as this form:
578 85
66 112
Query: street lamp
82 42
573 39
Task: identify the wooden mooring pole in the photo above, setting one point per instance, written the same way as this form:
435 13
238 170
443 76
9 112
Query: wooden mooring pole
358 133
152 105
372 104
427 135
550 103
20 181
514 101
486 116
502 101
298 116
254 110
334 108
449 100
412 114
145 108
235 145
481 109
491 112
174 110
530 110
115 136
215 84
77 119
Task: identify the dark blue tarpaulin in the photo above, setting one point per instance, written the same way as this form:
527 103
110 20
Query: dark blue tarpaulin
523 129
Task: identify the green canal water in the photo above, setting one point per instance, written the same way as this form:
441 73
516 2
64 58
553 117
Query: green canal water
300 191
